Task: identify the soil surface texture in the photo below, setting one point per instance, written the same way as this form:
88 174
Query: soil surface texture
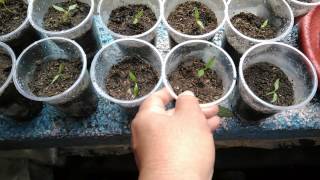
261 78
119 85
122 20
5 67
183 19
43 84
54 20
12 15
207 88
252 26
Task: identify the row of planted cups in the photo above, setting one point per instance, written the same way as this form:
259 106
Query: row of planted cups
80 100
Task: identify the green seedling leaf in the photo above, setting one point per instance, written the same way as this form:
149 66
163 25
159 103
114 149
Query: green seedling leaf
137 17
197 18
58 8
274 92
200 73
264 24
210 64
72 7
225 112
275 98
2 1
136 90
277 85
132 77
59 74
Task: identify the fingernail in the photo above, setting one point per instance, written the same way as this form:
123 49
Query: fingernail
187 93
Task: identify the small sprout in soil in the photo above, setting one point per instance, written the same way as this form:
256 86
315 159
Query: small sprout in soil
274 92
66 13
264 24
198 19
59 74
137 17
3 2
134 79
210 64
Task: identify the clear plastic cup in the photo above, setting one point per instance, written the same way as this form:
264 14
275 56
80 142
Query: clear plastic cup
83 33
224 66
219 7
292 62
275 11
12 104
105 8
21 37
112 54
300 8
77 101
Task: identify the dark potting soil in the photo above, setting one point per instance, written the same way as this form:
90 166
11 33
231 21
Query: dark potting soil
121 87
182 18
261 78
250 25
54 21
5 67
45 73
207 88
12 15
122 18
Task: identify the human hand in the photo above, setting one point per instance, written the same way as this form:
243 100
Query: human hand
174 144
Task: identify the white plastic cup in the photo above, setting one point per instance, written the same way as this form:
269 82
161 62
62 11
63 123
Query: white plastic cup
105 8
112 54
79 100
298 68
12 104
21 37
219 7
201 49
273 10
82 33
300 8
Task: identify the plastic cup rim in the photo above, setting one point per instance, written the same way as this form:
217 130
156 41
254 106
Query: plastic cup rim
9 52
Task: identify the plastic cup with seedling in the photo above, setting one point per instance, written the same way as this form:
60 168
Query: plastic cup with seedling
137 17
209 65
133 78
3 3
59 74
66 12
274 94
197 18
264 24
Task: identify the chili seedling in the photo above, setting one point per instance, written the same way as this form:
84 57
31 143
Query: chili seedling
209 65
66 13
137 16
264 24
197 18
3 3
133 78
59 74
274 92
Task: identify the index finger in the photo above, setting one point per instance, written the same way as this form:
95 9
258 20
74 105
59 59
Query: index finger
157 102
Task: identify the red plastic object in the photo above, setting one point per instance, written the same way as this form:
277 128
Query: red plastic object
310 37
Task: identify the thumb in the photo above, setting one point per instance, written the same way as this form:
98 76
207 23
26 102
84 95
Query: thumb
187 102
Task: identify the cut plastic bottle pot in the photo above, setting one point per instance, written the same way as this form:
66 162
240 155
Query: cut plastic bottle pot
105 8
301 8
21 37
112 54
204 50
292 62
79 100
12 104
219 7
82 33
278 13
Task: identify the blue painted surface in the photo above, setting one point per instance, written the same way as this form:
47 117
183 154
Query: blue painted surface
110 120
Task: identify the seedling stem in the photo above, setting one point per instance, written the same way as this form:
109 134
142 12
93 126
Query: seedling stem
66 13
59 74
133 78
210 64
196 15
274 92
